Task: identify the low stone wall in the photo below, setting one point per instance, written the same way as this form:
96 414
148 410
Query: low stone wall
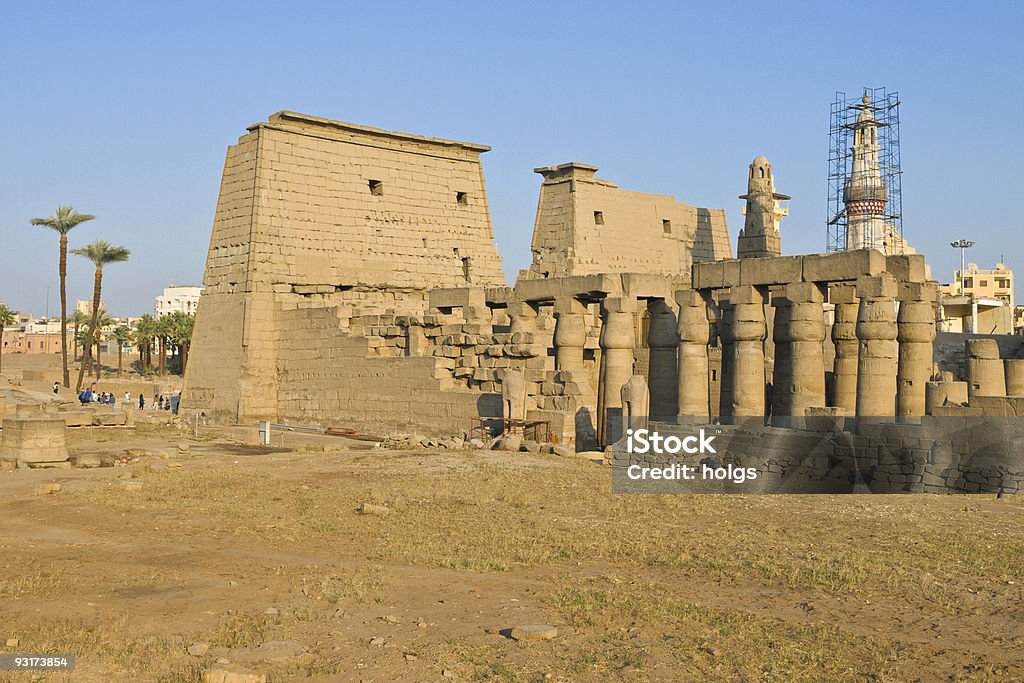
36 441
940 455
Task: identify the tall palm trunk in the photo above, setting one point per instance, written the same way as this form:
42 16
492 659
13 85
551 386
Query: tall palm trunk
1 348
97 283
99 363
163 355
120 351
74 355
184 356
63 270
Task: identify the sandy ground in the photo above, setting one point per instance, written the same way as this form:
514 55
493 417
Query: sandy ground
259 557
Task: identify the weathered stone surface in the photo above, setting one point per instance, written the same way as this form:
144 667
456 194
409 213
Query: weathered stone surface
985 372
509 442
374 509
232 674
877 361
198 649
34 441
534 632
587 225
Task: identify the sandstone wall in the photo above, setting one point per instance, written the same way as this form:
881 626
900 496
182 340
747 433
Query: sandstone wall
587 225
326 215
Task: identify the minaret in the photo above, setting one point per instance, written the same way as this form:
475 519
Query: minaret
865 193
760 234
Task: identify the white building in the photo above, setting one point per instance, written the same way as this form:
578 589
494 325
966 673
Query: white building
178 299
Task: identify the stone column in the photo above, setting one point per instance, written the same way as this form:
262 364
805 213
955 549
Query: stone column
844 338
618 333
694 331
1014 371
522 317
799 379
985 374
570 333
663 342
916 334
878 357
743 334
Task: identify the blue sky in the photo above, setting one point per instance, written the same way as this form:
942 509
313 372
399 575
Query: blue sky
125 110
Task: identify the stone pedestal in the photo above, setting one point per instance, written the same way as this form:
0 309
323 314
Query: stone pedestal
743 334
938 394
694 331
35 442
844 338
799 330
663 341
570 334
618 333
985 373
916 335
635 403
878 358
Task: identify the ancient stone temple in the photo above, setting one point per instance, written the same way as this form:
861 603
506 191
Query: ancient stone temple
352 280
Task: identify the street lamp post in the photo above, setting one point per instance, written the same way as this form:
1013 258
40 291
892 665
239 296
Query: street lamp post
963 245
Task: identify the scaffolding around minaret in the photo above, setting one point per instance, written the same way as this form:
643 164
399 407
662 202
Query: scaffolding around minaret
865 202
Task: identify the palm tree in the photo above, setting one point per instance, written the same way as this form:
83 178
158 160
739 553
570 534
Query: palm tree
100 253
103 323
78 319
122 334
145 331
63 220
81 340
7 318
163 331
180 327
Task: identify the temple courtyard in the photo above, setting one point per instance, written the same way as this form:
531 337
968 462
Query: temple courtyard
331 559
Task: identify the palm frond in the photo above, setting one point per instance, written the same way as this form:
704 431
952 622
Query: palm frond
102 252
63 219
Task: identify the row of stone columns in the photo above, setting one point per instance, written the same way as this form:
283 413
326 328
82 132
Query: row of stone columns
882 362
882 365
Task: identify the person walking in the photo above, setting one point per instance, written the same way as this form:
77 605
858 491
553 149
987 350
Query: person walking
127 397
142 401
56 387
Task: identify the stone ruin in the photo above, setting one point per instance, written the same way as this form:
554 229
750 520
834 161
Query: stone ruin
352 281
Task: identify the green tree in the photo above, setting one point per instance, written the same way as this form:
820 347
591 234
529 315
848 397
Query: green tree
103 323
145 331
123 335
78 319
80 341
7 318
63 220
101 254
179 332
163 330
